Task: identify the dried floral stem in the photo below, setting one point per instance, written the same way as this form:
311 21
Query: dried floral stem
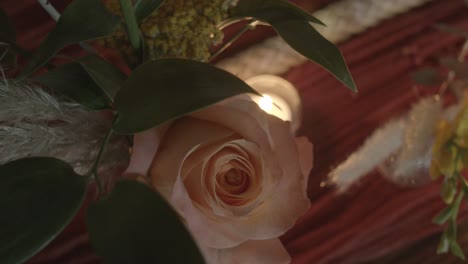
451 75
250 25
133 31
50 9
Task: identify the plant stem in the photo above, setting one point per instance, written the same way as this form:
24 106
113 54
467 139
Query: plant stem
451 75
250 25
94 169
54 14
131 23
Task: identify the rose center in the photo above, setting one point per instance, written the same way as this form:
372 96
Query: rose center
233 177
231 184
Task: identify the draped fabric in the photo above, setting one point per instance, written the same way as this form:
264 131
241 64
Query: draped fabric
375 218
375 221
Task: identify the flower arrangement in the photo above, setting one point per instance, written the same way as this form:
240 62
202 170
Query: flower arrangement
429 141
211 179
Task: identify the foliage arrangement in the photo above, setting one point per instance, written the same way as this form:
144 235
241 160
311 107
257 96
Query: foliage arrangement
449 150
161 41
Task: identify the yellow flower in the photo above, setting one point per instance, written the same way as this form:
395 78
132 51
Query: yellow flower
179 28
441 154
450 149
461 127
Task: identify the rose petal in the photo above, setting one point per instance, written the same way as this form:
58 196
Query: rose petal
145 147
205 229
306 157
288 200
184 135
251 252
241 116
283 198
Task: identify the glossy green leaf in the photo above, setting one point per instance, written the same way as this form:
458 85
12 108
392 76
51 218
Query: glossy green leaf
448 190
164 89
8 58
73 81
144 8
427 77
7 31
136 225
302 37
292 24
456 204
452 230
82 20
443 216
131 23
105 74
272 11
91 81
456 250
38 198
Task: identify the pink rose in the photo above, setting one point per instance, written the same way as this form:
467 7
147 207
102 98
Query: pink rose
236 175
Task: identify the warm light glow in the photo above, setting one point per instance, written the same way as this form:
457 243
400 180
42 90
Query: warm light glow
274 105
278 98
266 103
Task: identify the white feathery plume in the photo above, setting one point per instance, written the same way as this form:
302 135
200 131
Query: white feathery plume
402 141
35 123
376 149
414 158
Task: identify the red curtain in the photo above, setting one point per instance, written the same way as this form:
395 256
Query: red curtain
375 218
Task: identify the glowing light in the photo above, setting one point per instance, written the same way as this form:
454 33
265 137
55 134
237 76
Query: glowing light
279 98
266 103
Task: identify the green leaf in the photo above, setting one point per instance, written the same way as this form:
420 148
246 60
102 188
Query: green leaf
131 23
7 30
448 190
443 216
164 89
465 189
105 74
82 20
452 230
38 198
292 24
136 225
427 77
302 37
144 8
456 250
449 211
8 58
444 244
272 11
456 204
91 81
73 81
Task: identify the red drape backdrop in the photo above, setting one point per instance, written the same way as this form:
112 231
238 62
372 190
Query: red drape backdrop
376 221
